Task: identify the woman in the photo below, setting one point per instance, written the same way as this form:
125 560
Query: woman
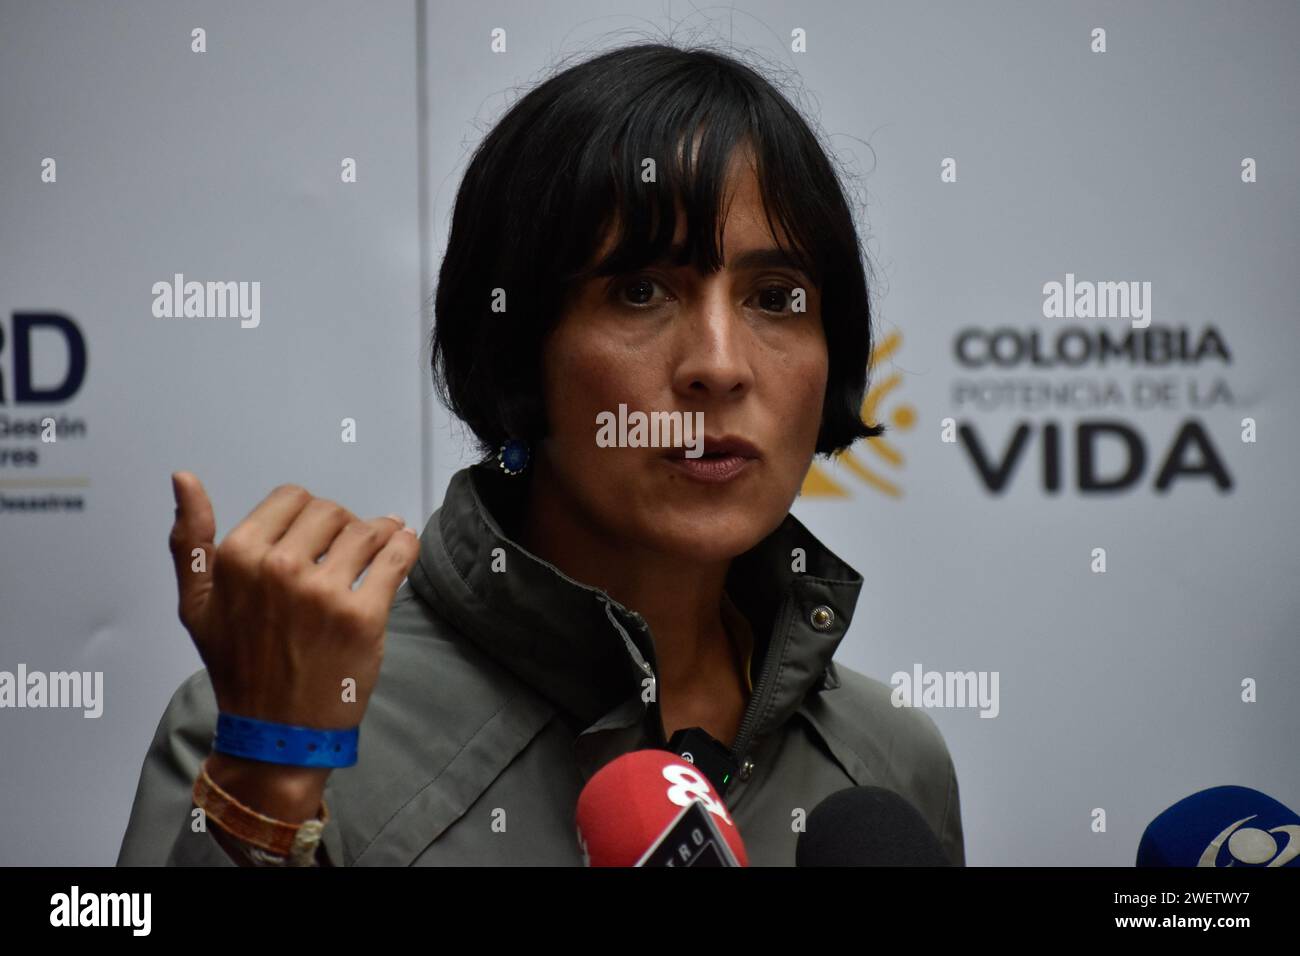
652 231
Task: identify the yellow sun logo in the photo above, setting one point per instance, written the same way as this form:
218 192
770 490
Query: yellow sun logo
819 484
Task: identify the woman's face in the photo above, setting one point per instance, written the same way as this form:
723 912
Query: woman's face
667 339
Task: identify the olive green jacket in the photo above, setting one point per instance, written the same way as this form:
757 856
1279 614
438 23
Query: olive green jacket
502 691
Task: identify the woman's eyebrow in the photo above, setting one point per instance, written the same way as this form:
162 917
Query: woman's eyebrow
771 258
764 259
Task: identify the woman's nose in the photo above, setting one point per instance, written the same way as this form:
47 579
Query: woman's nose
713 348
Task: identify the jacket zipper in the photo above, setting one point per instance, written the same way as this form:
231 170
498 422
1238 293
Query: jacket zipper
760 690
774 652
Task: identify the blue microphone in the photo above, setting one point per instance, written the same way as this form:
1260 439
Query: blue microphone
1223 826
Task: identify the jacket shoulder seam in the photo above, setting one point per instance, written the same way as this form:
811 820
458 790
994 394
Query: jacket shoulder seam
451 762
822 728
436 777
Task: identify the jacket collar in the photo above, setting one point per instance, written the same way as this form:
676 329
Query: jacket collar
584 651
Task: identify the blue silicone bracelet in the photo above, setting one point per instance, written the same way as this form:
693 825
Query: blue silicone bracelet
285 743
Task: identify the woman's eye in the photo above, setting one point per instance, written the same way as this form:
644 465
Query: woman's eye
638 292
643 292
774 299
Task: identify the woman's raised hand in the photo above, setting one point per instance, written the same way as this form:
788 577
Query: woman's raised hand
282 631
272 609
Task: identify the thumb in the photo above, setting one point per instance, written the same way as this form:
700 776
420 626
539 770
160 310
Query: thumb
191 543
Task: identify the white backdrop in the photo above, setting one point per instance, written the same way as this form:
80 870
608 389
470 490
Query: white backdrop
995 148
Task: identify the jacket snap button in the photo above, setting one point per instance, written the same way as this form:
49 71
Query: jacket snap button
746 768
822 617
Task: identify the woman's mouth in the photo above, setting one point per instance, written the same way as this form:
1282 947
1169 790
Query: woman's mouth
723 460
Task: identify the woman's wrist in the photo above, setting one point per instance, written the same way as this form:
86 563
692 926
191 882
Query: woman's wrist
282 834
291 794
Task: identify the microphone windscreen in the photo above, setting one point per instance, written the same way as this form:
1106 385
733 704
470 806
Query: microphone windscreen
1223 826
630 802
868 826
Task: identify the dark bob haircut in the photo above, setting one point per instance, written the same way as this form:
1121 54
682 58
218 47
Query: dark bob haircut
563 167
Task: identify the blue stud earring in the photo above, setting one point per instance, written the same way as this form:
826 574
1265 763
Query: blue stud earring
514 456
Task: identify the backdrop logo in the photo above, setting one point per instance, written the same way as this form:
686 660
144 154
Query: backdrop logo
42 366
1092 407
819 484
19 356
1253 846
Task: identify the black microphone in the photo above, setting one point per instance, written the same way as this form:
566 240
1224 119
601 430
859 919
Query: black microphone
868 826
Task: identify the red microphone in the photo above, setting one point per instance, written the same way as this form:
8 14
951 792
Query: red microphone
651 808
